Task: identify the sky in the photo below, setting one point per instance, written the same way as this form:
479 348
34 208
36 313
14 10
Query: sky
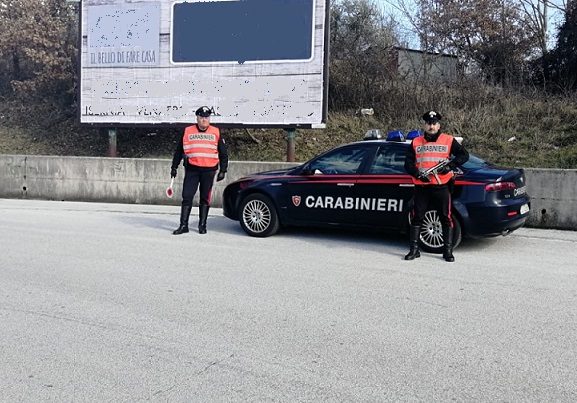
390 7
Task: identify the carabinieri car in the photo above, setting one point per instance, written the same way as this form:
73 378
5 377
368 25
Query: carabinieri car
364 185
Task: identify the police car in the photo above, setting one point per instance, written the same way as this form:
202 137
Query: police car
364 185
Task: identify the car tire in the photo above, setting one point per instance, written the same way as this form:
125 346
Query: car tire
258 216
431 237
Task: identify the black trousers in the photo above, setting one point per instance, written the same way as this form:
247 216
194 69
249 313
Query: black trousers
432 197
193 179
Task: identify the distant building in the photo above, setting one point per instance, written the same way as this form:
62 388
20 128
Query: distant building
417 65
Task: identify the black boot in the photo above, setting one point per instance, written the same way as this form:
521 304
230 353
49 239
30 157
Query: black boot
184 214
448 241
414 232
203 214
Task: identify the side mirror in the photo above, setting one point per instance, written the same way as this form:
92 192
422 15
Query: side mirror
306 170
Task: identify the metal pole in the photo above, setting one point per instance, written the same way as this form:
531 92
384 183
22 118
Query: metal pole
290 135
112 135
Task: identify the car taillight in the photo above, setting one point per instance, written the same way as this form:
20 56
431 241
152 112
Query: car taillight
498 186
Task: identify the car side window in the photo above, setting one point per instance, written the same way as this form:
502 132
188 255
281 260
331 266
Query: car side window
388 161
340 162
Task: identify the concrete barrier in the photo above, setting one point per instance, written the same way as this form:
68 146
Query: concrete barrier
144 181
553 198
109 180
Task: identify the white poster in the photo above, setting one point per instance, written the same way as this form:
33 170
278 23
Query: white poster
253 62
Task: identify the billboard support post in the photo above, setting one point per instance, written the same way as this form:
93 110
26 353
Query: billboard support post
290 135
112 136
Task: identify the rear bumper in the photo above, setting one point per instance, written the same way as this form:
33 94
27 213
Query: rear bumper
491 221
498 230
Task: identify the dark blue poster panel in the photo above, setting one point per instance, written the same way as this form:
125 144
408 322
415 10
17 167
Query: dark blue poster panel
242 31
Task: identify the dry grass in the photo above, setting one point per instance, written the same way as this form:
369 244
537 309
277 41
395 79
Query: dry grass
507 129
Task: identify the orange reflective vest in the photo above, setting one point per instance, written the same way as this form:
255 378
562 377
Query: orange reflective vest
428 154
201 148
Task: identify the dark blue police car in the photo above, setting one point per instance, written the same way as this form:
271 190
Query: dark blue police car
364 185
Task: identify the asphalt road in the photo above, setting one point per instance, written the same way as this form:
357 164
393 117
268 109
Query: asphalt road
100 303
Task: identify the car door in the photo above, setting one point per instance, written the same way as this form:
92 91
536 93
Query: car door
385 190
325 193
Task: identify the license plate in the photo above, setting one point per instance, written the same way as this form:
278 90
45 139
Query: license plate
524 209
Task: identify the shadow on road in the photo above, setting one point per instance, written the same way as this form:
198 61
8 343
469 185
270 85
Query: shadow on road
358 239
168 223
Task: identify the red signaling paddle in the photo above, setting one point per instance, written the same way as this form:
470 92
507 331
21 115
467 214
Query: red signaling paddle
169 191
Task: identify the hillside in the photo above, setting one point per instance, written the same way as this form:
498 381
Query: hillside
527 135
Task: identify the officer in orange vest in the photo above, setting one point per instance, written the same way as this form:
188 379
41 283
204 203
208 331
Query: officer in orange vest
425 152
204 152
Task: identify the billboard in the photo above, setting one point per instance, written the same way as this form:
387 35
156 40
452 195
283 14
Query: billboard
255 63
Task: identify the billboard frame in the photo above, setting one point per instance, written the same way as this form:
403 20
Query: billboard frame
236 125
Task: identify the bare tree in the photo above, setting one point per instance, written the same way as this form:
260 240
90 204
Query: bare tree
361 40
38 47
556 69
489 34
538 15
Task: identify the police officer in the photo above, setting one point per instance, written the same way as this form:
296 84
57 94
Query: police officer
425 152
204 151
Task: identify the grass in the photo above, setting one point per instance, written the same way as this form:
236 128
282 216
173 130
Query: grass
512 131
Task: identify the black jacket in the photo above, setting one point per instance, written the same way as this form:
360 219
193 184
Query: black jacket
460 154
222 157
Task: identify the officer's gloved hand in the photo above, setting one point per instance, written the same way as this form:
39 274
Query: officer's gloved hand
445 170
173 172
423 178
220 176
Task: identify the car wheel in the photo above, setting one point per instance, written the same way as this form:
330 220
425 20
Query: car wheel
431 237
258 216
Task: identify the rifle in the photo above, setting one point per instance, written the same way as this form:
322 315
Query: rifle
434 170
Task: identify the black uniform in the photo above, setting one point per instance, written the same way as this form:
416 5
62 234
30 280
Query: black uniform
432 195
435 196
195 175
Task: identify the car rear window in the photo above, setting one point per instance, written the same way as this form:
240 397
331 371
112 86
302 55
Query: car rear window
474 163
391 160
388 161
